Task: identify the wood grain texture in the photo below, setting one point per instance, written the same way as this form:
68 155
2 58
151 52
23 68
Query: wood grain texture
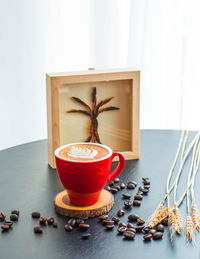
64 207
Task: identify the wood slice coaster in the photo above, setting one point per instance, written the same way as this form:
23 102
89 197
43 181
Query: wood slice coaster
64 207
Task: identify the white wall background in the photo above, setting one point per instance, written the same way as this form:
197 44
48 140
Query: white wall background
159 37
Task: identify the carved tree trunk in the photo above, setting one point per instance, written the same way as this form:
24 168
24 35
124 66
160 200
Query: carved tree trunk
93 129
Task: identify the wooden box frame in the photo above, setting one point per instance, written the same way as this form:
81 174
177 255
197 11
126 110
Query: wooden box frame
53 82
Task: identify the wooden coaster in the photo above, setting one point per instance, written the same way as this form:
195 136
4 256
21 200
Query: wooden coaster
64 207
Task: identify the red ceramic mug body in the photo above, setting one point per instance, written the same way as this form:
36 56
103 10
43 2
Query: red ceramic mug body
84 180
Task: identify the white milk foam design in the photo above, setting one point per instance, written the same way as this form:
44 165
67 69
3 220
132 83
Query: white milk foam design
82 152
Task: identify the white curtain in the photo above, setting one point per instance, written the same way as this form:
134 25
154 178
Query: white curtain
161 38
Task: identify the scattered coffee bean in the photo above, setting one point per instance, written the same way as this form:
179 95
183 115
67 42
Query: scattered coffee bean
9 223
128 235
140 189
50 220
84 226
121 224
147 237
80 221
133 217
145 191
133 182
86 236
126 196
139 228
114 190
15 212
35 214
71 222
146 187
129 225
146 230
121 230
146 182
157 235
107 188
120 213
109 226
165 221
130 186
68 227
139 193
131 230
107 221
13 217
160 228
2 216
152 231
128 204
116 220
102 217
138 197
37 230
43 220
140 221
136 203
55 225
117 187
5 227
116 180
122 185
111 183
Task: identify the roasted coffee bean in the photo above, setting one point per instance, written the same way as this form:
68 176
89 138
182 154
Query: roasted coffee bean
140 221
121 230
139 228
165 221
84 226
114 190
43 220
133 182
131 230
116 180
128 235
116 220
107 221
122 185
126 196
72 222
102 217
146 187
130 186
80 221
13 217
121 224
50 220
129 225
68 227
146 182
152 231
9 223
117 187
2 216
146 230
160 228
15 212
157 235
55 225
147 237
109 226
111 183
35 214
133 217
136 203
139 193
107 188
145 191
138 197
5 227
37 230
128 204
86 236
120 213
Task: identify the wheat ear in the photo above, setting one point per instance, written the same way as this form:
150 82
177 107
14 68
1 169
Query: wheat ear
189 228
163 214
179 220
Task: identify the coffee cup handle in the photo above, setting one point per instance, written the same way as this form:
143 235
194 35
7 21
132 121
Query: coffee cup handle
120 165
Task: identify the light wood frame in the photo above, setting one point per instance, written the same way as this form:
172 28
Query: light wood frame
55 80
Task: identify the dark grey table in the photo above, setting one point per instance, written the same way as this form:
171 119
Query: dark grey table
27 183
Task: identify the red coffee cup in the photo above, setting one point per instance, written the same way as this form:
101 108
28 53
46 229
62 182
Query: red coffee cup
84 180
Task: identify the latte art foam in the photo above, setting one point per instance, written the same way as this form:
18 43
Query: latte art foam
82 152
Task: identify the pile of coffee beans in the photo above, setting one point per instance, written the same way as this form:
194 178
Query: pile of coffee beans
8 224
79 223
43 221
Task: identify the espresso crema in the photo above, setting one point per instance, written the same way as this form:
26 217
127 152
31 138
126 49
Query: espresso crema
83 152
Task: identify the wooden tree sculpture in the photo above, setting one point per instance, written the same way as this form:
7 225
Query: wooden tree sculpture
93 112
